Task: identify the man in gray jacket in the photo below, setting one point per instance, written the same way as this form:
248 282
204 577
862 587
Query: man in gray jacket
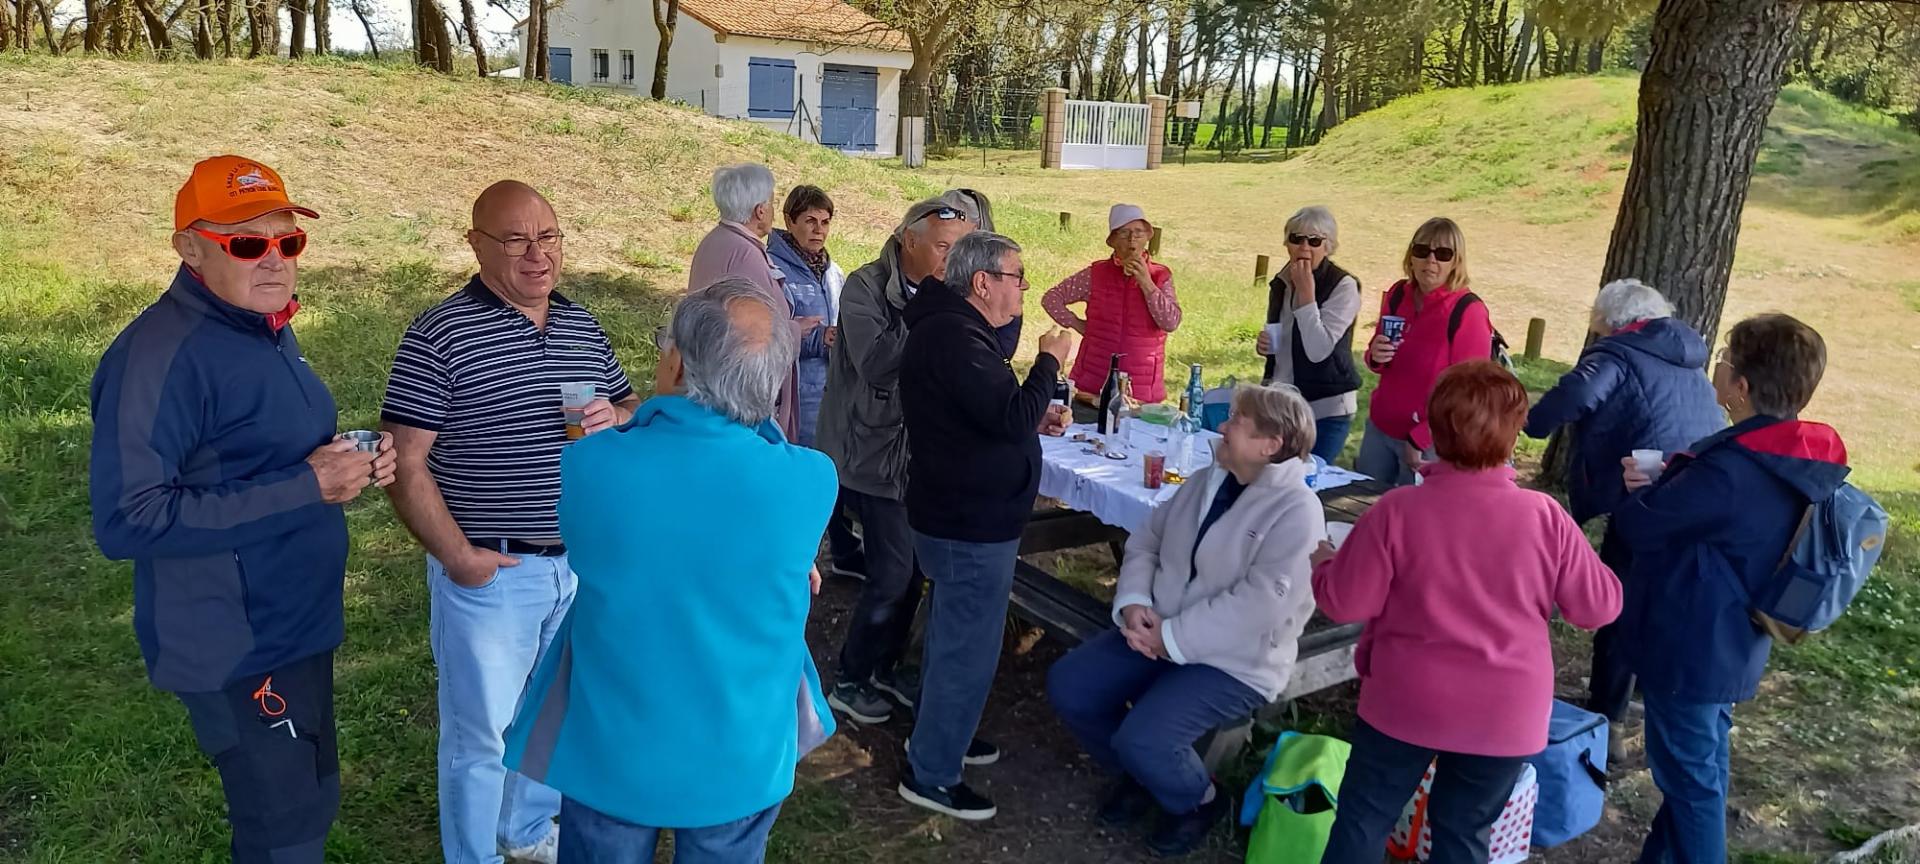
860 427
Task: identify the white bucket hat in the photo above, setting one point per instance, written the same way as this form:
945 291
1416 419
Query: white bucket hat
1121 214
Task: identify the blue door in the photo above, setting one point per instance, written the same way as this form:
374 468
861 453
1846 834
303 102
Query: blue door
560 65
849 107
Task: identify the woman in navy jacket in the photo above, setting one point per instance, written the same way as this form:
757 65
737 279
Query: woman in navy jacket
1641 386
1704 536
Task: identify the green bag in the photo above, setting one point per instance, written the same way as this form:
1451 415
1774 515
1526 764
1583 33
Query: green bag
1291 803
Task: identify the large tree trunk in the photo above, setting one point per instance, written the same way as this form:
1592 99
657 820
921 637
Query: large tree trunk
202 29
433 45
529 62
322 12
6 27
95 28
473 36
297 14
1273 100
543 58
46 23
1329 87
1711 80
1522 46
156 28
666 17
225 8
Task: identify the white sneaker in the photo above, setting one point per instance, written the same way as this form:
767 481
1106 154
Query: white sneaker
547 851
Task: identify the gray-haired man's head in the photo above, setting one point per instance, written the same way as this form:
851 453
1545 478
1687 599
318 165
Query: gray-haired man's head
743 194
985 268
733 358
929 231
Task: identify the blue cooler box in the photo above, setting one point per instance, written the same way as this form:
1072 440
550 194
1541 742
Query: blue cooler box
1573 776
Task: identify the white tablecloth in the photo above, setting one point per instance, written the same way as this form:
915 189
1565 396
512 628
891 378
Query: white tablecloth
1114 490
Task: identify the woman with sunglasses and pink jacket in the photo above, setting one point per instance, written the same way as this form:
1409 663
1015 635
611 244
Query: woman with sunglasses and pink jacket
1429 321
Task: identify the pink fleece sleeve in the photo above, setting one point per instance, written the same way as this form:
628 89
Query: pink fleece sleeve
1353 585
1587 592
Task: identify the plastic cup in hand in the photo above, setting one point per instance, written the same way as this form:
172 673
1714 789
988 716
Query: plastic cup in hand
1276 335
1650 462
1154 464
363 440
1337 532
1393 327
574 399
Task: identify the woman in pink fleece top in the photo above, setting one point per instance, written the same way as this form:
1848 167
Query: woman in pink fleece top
1430 301
1456 580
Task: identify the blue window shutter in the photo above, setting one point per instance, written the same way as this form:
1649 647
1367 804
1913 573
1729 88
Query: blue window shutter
769 87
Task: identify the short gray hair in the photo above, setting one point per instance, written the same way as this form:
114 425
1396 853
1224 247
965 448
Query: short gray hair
1624 301
737 189
1315 219
730 371
978 252
952 199
1278 410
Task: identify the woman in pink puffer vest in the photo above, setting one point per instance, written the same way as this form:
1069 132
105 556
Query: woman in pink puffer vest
1131 308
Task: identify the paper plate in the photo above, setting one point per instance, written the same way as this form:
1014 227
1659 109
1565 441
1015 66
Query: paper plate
1338 531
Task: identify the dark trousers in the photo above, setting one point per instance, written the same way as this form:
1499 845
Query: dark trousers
1172 707
842 547
1611 686
271 736
1382 774
883 618
588 836
1690 753
966 623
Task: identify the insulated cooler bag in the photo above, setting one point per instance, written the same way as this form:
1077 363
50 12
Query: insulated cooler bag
1412 838
1291 804
1573 775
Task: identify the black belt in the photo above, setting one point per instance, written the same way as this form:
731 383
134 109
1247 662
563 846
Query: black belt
519 547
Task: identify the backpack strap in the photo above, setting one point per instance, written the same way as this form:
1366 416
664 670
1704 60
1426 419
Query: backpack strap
1806 519
1393 297
1459 313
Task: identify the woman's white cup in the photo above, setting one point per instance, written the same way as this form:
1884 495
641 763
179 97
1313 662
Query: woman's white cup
1276 336
1650 462
1337 533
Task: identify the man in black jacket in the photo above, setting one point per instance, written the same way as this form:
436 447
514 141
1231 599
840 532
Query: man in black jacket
973 468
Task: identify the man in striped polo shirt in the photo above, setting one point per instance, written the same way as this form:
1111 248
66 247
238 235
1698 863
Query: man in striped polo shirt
474 405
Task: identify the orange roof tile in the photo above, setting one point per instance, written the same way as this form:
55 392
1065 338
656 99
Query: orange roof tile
822 21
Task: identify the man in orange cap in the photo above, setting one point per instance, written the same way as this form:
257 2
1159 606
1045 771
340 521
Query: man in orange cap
216 470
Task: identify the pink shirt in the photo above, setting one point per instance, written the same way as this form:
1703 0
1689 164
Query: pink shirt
1456 580
1399 404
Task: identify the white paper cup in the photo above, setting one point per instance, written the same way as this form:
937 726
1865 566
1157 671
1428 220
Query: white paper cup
1650 462
1337 533
1276 334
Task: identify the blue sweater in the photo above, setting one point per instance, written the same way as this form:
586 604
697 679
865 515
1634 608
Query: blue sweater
1705 536
1639 389
203 418
679 692
810 297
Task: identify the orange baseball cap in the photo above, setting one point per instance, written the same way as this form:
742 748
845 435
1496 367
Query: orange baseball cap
228 189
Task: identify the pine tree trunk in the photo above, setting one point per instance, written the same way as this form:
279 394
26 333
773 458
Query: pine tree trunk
1597 53
1170 83
1522 45
297 14
473 36
1273 101
322 12
6 27
666 17
46 23
543 60
1329 88
433 45
360 11
225 8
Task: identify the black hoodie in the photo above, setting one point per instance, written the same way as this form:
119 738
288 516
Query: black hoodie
973 461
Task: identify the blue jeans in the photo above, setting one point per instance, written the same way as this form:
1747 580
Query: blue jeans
486 641
1689 752
1330 436
1382 774
1379 458
1173 706
966 621
588 836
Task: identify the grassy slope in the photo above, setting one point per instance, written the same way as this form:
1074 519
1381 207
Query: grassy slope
96 766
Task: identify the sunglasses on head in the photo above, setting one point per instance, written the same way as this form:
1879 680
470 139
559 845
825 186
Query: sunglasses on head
1438 253
1298 239
943 214
253 247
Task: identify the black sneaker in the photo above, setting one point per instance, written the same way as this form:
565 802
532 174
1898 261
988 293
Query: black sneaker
957 800
903 684
980 751
1179 835
1126 803
860 703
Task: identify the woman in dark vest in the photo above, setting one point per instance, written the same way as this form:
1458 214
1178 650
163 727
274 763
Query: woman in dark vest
1308 340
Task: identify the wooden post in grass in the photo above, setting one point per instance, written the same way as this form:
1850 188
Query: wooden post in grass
1536 336
1260 265
1066 220
1153 246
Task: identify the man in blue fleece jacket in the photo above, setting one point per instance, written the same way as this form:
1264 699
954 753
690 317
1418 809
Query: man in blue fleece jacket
679 693
216 472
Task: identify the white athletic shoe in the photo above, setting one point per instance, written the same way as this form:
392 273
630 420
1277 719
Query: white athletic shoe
547 851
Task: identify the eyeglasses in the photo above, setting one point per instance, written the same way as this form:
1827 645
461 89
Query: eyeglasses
1022 275
662 338
1308 239
1438 253
518 246
253 247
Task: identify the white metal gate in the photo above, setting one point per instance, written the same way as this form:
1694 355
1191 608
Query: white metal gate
1105 135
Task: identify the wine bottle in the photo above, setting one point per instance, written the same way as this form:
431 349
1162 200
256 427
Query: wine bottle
1110 394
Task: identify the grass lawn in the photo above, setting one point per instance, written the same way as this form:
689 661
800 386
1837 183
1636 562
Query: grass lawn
97 766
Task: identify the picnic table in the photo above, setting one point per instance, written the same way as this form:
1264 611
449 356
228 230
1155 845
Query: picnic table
1102 500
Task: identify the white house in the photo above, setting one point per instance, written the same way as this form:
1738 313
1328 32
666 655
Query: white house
818 69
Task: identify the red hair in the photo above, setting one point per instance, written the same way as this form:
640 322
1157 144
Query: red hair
1476 412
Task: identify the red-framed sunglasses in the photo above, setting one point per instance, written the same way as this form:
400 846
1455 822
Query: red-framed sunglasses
253 247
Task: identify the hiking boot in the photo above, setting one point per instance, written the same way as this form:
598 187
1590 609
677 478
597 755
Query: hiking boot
1127 802
980 751
902 683
1179 835
860 702
958 800
546 851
